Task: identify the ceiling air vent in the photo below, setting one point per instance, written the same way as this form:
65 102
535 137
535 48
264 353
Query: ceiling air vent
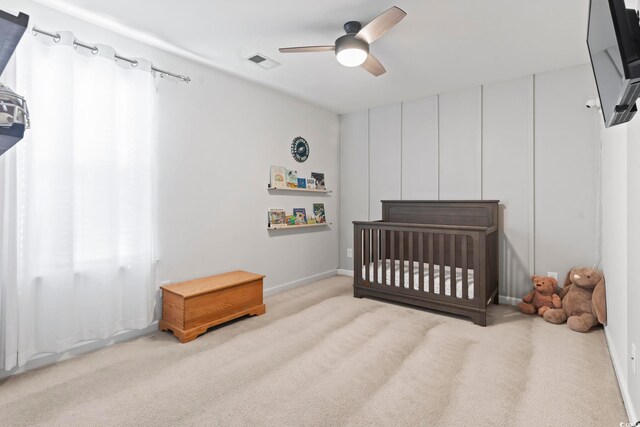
263 61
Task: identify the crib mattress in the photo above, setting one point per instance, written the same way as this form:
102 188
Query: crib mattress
416 277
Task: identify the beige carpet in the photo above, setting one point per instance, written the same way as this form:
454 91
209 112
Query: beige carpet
321 357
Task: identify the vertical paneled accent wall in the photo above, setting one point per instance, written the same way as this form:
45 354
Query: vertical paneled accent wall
385 150
461 145
528 142
420 176
566 169
507 153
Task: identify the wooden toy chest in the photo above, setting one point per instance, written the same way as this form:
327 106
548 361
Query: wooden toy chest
190 308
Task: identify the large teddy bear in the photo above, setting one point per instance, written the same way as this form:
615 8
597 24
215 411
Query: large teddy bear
542 298
583 301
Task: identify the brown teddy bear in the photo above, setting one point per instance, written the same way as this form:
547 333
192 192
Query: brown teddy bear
583 301
542 298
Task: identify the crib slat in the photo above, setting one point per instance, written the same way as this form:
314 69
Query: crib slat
411 279
421 261
432 282
401 257
465 273
392 259
374 250
357 255
478 281
383 257
453 271
367 255
441 247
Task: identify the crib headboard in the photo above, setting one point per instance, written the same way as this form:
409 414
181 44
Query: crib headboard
480 213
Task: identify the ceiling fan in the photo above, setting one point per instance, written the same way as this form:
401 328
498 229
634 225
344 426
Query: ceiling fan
352 49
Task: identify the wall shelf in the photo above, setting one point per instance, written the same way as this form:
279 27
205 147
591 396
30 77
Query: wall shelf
287 227
307 190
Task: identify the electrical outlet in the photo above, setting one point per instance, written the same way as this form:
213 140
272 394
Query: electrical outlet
349 253
552 274
633 358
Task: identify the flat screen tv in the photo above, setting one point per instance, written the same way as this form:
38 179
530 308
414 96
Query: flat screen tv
14 116
614 46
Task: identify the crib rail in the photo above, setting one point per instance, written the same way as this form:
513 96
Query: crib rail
468 248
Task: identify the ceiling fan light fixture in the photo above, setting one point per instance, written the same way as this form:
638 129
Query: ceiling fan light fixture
350 51
351 57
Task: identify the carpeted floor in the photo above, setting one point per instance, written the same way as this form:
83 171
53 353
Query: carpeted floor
321 357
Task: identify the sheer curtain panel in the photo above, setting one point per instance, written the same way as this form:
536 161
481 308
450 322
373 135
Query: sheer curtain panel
80 245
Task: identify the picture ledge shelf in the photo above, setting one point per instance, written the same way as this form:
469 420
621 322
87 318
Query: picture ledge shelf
287 227
270 188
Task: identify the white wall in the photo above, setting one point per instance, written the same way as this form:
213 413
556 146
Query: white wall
528 142
354 173
217 138
620 252
633 254
614 236
213 171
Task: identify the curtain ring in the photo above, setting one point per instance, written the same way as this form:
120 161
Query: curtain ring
57 38
94 51
134 64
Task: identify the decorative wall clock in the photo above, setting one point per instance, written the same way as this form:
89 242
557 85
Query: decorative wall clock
300 149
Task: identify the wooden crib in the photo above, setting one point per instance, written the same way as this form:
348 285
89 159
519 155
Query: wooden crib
440 255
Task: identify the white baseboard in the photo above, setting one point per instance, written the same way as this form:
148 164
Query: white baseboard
300 282
622 383
343 272
79 349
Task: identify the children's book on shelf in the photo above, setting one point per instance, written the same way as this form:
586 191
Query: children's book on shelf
319 177
302 183
311 221
318 212
277 216
311 184
300 215
278 177
292 178
291 220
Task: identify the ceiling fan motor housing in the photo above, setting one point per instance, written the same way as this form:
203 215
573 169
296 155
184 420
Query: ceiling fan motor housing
352 27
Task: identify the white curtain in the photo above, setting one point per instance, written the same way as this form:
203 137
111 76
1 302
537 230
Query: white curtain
77 224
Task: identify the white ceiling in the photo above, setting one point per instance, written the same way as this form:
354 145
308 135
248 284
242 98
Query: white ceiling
441 45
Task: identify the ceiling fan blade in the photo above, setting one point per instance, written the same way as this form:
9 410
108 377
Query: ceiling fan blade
381 24
372 65
303 49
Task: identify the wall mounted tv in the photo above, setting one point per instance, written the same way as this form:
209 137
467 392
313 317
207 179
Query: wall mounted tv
14 115
614 46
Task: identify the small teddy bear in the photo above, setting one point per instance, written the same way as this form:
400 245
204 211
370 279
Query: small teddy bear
543 296
583 301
